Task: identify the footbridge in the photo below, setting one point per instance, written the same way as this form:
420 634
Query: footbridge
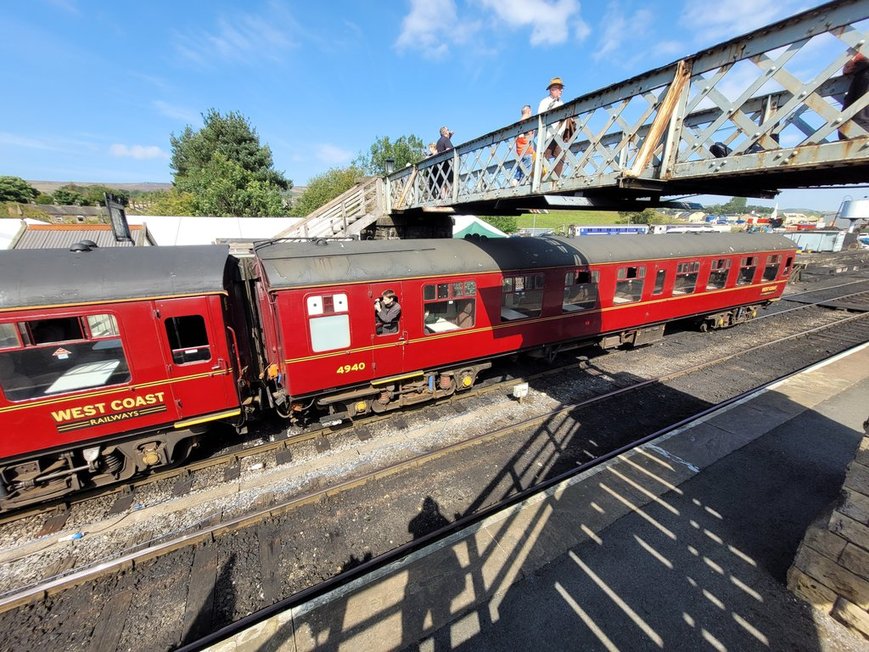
748 117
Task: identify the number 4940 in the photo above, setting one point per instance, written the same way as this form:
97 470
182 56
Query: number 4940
347 368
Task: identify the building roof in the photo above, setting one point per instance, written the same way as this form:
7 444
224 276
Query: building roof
63 210
62 236
189 230
300 264
49 277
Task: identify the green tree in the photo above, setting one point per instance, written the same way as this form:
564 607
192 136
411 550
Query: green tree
16 189
96 195
43 198
68 196
648 216
404 150
172 202
323 188
505 223
226 169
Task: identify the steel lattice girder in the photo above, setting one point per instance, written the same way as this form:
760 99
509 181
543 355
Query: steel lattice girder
779 118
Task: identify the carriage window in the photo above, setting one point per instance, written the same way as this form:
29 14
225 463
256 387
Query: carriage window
102 326
771 269
8 336
789 263
39 366
449 306
747 267
660 278
580 290
188 339
718 274
521 297
328 321
629 284
686 277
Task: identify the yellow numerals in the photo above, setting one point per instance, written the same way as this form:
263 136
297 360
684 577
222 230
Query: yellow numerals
347 368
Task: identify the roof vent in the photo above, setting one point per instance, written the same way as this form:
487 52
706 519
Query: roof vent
84 245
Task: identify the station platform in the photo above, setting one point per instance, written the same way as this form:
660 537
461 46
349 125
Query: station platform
683 543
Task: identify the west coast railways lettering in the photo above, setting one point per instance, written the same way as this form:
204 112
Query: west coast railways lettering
119 409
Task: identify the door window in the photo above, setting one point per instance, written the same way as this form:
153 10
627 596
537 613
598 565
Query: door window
660 278
328 321
188 339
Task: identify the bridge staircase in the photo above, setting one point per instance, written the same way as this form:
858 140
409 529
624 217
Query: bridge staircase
346 216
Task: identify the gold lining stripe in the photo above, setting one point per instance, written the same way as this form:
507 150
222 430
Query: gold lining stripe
112 301
537 320
113 390
211 417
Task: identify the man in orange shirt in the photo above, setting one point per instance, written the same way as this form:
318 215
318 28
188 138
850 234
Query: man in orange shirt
524 151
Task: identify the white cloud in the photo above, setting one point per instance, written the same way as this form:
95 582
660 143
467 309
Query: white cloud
332 154
175 112
139 152
550 21
244 38
713 22
619 25
433 27
430 27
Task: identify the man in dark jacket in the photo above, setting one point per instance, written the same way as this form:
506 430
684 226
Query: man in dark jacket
444 144
859 68
386 313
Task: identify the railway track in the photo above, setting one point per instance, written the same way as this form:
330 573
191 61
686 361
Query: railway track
277 445
555 422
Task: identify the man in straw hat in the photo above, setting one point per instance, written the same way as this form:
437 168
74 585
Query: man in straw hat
551 101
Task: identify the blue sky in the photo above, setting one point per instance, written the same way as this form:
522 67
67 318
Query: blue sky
94 89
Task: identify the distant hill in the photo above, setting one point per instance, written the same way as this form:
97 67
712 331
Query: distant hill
145 186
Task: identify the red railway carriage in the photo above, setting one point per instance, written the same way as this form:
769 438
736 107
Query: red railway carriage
109 361
113 361
465 302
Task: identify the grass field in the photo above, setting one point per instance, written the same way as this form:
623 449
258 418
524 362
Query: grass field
558 219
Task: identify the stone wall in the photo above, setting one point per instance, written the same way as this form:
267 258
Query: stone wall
831 569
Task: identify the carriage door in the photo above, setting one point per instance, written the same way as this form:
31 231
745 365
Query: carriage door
196 354
388 340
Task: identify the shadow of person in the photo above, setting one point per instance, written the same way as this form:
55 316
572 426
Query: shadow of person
432 583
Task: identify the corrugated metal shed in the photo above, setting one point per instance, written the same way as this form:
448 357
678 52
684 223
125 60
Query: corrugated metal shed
62 236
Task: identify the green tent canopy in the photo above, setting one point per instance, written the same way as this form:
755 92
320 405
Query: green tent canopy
474 226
